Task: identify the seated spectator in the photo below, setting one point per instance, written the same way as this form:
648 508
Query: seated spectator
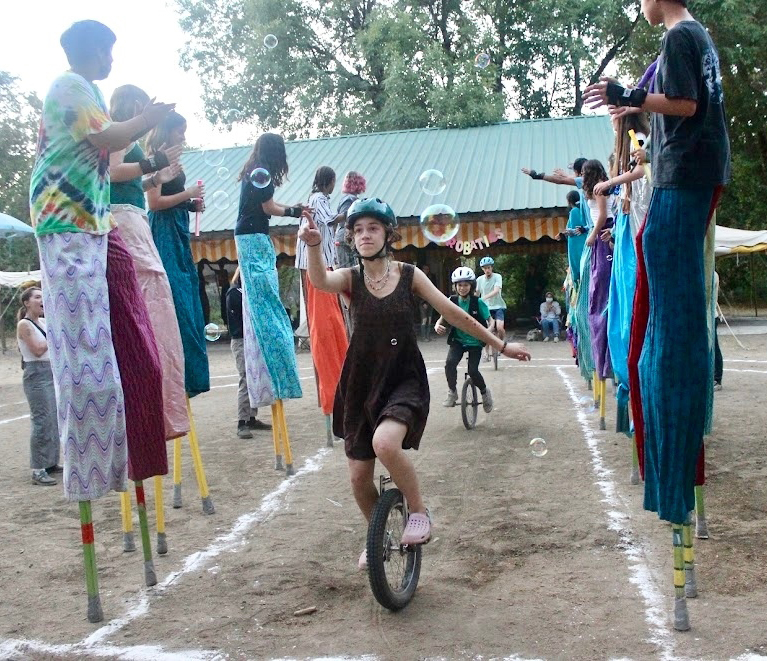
550 314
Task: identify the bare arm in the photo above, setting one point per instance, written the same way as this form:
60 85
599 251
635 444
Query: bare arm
25 332
625 178
120 134
456 317
595 96
557 177
158 202
336 282
599 221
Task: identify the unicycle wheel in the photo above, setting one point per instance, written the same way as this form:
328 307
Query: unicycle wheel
393 569
469 404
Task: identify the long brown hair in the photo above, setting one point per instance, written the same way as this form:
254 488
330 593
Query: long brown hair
268 152
122 105
160 134
593 172
25 296
639 123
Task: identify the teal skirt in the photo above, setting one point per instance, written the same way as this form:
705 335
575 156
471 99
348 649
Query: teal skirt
170 230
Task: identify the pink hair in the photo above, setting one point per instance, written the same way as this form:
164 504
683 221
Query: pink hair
354 183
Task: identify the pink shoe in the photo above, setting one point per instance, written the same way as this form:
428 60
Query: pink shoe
362 564
417 530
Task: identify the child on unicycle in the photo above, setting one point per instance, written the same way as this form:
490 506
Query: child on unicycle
460 342
382 400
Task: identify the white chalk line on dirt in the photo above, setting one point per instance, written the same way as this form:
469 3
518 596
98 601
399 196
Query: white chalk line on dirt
632 548
21 417
96 644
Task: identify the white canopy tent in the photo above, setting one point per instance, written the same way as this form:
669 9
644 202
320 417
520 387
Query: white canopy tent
18 278
731 241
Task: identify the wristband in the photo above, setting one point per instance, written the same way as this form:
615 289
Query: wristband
294 212
154 163
537 175
617 95
503 348
313 245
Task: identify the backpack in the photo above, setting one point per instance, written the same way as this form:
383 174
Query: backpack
473 313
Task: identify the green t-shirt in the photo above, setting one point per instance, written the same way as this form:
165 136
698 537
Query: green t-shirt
464 338
69 188
131 191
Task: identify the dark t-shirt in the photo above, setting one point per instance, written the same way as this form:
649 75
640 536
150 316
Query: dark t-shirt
252 219
234 312
692 151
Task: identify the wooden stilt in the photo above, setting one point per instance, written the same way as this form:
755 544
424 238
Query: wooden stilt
329 429
634 462
276 437
285 439
128 543
159 508
95 614
690 582
597 390
177 473
149 574
681 616
602 403
199 469
701 525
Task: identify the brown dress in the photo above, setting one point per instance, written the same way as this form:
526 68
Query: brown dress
384 375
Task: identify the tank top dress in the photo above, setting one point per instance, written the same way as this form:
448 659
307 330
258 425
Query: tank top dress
384 375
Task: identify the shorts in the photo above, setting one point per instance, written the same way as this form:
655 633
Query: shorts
497 314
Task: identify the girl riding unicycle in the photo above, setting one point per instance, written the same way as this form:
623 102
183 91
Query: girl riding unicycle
382 400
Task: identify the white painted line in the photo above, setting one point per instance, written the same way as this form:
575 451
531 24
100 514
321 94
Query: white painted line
618 518
732 369
14 649
743 360
22 401
21 417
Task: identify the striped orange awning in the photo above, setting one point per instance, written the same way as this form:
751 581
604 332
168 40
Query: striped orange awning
473 232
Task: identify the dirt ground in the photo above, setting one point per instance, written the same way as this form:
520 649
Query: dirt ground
533 557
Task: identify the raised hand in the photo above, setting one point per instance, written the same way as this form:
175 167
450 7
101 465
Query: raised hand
308 232
172 153
153 112
168 174
595 95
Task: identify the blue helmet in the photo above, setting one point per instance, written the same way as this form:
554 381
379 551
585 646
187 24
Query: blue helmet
486 261
373 207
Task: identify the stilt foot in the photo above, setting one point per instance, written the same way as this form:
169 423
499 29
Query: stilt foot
602 425
207 505
588 383
681 616
289 470
150 577
128 543
278 463
634 475
162 544
176 496
330 441
701 528
95 614
690 584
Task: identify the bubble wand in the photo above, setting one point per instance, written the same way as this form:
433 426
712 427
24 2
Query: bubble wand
197 214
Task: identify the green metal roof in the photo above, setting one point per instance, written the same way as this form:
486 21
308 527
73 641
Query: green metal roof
481 166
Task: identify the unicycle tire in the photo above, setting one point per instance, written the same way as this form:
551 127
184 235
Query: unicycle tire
393 570
469 404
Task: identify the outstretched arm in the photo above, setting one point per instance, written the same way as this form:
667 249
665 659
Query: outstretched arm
455 316
557 177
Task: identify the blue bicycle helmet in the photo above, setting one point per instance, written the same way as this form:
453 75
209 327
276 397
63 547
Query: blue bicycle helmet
486 261
373 207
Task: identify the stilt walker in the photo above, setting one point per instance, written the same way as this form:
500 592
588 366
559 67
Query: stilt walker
84 266
128 209
327 331
169 206
273 374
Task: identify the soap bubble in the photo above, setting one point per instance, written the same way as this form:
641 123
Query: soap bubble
482 60
219 200
213 157
439 223
222 173
260 178
538 447
212 332
587 403
432 182
270 41
232 115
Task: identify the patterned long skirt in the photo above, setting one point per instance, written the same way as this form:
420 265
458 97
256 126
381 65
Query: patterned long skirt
89 394
581 318
257 376
599 293
271 325
155 289
139 362
669 362
170 231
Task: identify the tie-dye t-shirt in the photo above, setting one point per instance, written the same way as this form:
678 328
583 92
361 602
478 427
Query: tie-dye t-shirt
69 190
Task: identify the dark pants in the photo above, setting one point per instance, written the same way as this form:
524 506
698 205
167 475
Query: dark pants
454 356
718 362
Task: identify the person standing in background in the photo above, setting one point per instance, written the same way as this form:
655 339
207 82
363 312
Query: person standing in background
38 388
246 416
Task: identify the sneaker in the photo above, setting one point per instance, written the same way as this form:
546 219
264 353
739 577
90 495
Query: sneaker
451 399
258 425
54 469
717 386
487 400
545 339
417 530
42 478
556 339
242 429
487 357
362 563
